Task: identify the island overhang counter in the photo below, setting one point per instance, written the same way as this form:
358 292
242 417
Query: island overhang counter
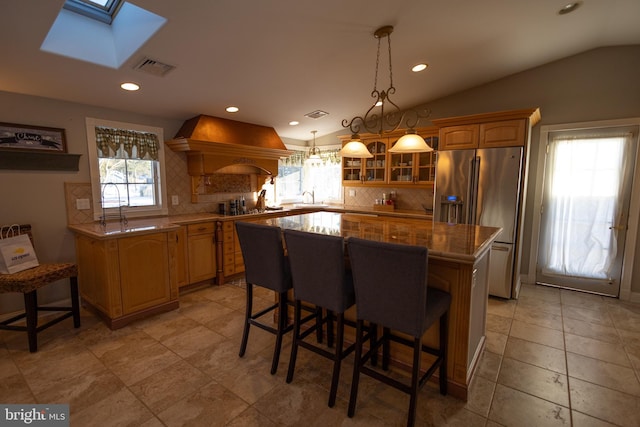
459 256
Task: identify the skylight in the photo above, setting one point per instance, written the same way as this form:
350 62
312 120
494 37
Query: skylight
101 10
87 38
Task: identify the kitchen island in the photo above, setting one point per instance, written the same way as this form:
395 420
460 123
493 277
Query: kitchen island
458 264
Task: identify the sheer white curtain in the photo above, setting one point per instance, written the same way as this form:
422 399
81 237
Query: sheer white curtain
583 201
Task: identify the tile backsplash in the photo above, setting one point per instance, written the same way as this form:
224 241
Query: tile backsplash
223 188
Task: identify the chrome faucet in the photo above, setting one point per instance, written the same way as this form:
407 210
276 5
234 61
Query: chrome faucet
313 196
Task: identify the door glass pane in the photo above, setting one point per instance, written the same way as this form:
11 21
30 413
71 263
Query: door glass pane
587 189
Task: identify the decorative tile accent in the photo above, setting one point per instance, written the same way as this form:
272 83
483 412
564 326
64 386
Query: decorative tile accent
406 198
72 192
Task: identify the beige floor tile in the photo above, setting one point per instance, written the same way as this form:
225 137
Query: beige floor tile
514 408
603 403
625 316
531 379
582 299
82 391
191 341
532 303
251 418
489 365
535 316
501 307
629 337
137 363
599 317
633 352
495 342
498 324
162 389
583 420
211 405
14 390
480 396
614 353
606 374
536 354
294 404
591 330
537 334
544 293
119 409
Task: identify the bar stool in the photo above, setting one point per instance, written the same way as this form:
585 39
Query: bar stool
320 278
390 282
28 282
266 266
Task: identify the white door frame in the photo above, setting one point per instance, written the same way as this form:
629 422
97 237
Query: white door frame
634 206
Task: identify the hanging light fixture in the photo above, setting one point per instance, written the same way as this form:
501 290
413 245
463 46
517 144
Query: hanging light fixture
313 156
385 122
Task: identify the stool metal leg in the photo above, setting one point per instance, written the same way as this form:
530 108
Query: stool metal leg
75 301
31 311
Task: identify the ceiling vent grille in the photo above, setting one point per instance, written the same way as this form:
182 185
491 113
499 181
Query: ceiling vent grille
154 67
316 114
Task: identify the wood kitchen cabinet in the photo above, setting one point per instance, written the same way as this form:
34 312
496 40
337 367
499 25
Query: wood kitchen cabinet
201 249
127 278
491 130
182 271
386 169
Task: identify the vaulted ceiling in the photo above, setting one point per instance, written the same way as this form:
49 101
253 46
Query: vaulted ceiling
279 60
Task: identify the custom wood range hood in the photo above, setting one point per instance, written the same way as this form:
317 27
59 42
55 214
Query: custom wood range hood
216 145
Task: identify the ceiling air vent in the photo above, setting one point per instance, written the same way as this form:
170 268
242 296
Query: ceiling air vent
153 67
316 114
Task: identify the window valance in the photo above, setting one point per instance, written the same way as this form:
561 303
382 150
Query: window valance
126 144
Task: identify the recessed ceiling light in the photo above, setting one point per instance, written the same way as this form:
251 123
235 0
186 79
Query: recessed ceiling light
569 7
129 86
294 123
419 67
232 109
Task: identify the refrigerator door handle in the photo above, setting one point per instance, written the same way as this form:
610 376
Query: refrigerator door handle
472 190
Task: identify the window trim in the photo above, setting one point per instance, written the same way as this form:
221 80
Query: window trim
131 212
92 10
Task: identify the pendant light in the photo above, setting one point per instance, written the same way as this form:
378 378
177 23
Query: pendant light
313 157
410 142
382 123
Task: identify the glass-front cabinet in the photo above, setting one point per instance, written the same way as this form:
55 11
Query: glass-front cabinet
375 168
391 169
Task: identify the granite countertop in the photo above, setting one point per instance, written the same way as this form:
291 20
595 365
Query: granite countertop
137 226
455 242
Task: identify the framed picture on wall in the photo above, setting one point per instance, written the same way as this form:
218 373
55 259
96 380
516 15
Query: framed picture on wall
25 137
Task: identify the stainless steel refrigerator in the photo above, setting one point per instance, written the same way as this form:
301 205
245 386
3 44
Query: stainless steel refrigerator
482 187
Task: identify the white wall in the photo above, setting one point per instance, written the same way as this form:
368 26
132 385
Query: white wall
37 197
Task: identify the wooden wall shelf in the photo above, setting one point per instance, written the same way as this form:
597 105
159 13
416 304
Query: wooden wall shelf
36 160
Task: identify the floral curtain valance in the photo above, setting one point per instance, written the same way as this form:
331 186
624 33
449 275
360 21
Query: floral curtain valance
298 158
126 144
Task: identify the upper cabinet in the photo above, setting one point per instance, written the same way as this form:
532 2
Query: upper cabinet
390 169
492 130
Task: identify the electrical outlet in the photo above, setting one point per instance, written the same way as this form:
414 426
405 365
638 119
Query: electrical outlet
352 193
174 200
83 204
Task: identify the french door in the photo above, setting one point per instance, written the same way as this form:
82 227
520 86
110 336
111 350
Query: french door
585 207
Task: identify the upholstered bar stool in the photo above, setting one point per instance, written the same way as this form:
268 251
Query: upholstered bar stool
390 283
266 266
321 279
28 282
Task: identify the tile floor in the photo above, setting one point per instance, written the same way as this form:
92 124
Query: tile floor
552 358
